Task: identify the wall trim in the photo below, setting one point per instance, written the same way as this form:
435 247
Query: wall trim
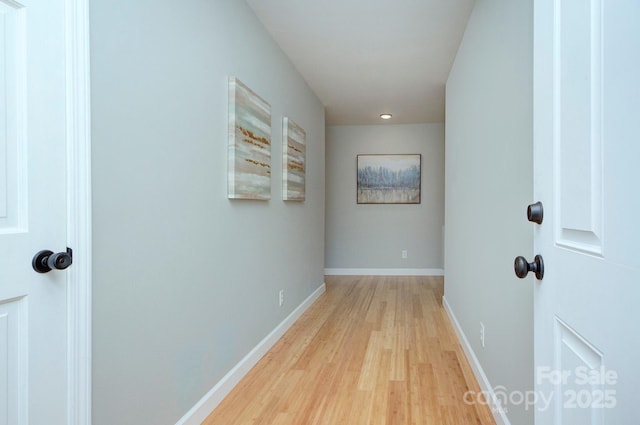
214 397
79 294
493 402
384 272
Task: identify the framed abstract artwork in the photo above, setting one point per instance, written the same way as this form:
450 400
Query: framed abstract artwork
388 179
293 161
249 158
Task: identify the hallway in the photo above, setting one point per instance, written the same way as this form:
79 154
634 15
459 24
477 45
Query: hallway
370 351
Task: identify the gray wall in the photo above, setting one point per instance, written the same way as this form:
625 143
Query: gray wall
186 281
489 181
373 236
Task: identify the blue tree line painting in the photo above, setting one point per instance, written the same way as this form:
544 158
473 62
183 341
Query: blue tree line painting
388 179
384 178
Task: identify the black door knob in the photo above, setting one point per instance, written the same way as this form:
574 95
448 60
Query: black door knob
522 267
45 261
535 212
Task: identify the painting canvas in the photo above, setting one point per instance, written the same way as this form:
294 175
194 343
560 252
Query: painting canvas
388 179
293 161
249 143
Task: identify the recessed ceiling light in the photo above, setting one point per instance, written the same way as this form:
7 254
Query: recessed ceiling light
385 116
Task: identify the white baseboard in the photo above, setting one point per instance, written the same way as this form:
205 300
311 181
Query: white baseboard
212 399
497 411
384 272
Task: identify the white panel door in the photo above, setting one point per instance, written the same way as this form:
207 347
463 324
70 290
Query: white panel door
587 175
33 334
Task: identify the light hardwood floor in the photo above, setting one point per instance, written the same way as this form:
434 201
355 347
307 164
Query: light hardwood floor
370 351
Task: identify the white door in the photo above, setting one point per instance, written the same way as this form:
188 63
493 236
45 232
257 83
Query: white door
587 175
33 202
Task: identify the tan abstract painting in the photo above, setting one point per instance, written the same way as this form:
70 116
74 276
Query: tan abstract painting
249 143
293 161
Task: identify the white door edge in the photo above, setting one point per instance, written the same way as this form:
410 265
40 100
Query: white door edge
78 212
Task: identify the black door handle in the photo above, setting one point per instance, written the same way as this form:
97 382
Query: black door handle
522 267
535 212
45 261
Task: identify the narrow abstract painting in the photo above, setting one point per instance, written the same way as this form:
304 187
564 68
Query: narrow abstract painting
293 161
249 143
388 179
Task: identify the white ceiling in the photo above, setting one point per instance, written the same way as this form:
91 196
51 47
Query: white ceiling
366 57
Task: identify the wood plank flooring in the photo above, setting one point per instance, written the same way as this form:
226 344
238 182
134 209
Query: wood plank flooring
370 351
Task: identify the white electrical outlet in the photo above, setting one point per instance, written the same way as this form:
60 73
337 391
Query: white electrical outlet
482 334
404 254
281 297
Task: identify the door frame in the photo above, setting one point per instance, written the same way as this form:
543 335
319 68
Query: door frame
79 294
